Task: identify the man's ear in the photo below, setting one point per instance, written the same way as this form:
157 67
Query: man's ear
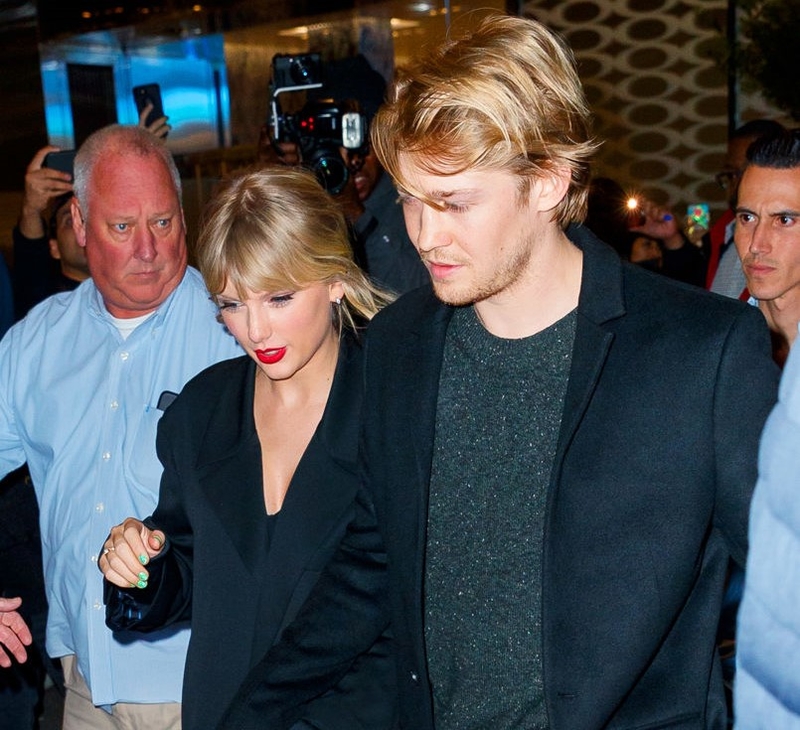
550 188
54 252
78 223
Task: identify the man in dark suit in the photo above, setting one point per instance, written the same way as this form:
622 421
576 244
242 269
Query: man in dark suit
560 446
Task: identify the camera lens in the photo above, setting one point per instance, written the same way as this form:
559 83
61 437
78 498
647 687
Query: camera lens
331 171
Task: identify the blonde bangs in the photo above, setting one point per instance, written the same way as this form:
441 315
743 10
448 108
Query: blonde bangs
276 230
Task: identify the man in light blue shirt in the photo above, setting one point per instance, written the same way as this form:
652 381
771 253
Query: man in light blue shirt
84 379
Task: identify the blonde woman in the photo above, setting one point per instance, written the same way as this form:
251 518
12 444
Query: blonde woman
259 456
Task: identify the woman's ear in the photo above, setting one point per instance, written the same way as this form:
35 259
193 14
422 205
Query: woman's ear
336 291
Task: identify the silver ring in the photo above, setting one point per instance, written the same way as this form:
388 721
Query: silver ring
105 552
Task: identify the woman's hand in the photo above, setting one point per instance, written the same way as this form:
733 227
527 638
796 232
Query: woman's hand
129 547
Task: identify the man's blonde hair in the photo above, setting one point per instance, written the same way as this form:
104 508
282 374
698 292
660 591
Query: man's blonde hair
504 97
277 229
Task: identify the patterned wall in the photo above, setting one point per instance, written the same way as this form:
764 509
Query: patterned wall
658 94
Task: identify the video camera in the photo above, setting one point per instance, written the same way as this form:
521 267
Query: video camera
321 127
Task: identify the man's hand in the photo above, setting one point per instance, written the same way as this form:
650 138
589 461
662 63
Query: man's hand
127 549
14 632
158 127
41 185
275 153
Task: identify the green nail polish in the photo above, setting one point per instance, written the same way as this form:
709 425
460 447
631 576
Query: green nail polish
142 584
143 576
143 559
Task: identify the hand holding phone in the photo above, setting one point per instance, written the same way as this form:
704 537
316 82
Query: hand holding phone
62 160
150 94
697 221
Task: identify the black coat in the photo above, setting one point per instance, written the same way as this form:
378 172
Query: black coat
656 460
215 571
668 391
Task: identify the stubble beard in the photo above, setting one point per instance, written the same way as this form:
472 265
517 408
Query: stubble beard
501 280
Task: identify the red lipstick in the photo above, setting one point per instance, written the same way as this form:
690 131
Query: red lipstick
270 357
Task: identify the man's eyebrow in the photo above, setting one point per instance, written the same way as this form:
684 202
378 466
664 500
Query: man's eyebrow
436 194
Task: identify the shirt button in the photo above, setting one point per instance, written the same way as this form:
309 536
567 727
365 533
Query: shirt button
114 405
414 677
97 605
106 455
93 558
123 356
99 507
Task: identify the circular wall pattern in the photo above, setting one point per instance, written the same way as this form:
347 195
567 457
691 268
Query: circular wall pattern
659 98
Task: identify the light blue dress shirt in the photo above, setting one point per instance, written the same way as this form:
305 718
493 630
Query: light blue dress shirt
79 404
767 687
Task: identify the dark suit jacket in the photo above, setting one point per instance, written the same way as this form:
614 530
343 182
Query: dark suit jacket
669 388
215 570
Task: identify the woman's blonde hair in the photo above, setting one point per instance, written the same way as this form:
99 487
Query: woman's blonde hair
277 229
503 97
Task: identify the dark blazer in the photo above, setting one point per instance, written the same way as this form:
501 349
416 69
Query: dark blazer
669 388
215 570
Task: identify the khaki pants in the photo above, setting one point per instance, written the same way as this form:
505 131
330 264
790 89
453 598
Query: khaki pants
81 714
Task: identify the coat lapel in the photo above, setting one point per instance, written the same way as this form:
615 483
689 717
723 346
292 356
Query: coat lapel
322 489
421 394
601 300
325 482
229 466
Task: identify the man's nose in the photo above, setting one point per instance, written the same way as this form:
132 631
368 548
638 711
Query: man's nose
145 244
759 239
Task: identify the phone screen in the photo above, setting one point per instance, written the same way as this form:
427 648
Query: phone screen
698 215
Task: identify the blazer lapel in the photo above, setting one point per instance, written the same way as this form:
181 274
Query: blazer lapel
229 466
600 301
421 393
408 372
322 489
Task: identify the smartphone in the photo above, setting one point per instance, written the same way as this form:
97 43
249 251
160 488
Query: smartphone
63 160
697 215
149 94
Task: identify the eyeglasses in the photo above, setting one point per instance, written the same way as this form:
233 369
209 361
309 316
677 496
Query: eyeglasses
727 178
